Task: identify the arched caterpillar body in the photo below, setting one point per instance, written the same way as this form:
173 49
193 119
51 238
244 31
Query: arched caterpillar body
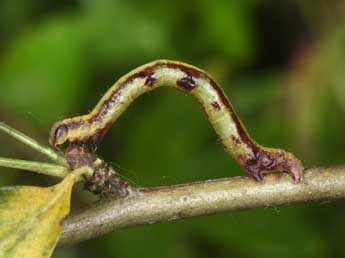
253 157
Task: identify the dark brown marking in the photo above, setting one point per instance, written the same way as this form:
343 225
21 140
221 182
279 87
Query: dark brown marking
109 103
236 141
186 69
141 74
215 105
150 80
187 83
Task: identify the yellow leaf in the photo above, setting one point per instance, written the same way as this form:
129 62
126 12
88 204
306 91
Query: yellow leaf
31 218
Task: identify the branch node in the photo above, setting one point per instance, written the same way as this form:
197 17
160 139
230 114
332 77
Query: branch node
106 182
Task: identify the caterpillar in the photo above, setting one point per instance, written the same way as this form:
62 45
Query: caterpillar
251 156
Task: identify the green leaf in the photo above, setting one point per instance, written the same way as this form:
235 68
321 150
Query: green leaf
31 218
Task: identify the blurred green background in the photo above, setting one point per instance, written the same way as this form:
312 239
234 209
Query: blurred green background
281 63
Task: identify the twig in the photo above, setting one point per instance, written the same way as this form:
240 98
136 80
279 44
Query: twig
39 167
153 205
50 153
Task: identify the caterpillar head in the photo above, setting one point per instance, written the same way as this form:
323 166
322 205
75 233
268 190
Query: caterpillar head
58 134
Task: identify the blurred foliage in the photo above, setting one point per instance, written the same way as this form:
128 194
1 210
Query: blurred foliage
280 62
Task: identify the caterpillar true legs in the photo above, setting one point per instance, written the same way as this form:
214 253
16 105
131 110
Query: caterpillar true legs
253 157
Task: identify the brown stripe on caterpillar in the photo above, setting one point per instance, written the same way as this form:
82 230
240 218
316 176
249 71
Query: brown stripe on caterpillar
194 72
107 104
148 72
140 74
215 105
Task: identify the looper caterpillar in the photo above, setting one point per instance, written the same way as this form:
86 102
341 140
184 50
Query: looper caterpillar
253 157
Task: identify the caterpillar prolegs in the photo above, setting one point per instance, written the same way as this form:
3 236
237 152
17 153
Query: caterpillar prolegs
254 158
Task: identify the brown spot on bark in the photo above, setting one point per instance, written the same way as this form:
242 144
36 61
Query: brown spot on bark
187 83
215 105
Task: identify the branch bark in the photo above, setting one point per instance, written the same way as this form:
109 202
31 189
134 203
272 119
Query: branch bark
153 205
